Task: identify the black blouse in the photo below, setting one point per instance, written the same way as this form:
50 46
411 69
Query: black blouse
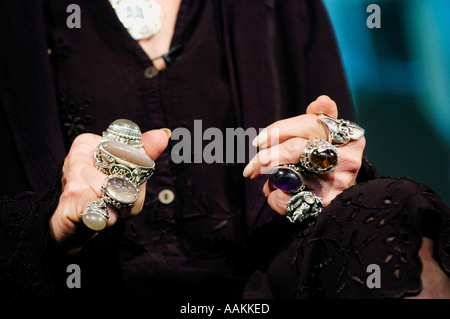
377 223
101 74
244 64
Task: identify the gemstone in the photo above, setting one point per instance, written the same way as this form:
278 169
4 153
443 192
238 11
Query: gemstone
286 179
94 218
94 221
309 199
122 190
124 131
324 159
128 153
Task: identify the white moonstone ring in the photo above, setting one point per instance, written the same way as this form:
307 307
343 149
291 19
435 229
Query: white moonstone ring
124 131
95 215
115 158
120 156
118 192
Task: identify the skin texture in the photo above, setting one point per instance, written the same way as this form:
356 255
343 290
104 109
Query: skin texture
435 283
81 184
293 134
82 181
159 44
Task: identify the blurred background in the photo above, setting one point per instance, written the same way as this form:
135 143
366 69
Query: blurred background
399 76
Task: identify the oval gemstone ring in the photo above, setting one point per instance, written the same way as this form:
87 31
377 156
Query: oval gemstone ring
288 178
319 156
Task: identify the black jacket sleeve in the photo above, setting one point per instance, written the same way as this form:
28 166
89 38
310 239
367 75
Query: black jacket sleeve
24 233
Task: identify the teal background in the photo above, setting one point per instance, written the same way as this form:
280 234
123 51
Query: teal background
399 76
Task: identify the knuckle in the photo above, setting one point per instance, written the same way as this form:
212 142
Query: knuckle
278 200
73 190
293 149
86 138
354 162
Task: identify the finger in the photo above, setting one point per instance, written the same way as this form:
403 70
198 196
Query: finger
266 160
155 142
305 126
278 201
85 143
268 188
323 105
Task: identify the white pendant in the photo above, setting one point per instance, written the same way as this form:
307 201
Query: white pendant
142 18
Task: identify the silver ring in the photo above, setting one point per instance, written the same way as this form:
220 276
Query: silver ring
319 156
124 131
304 206
115 158
95 215
341 132
288 178
118 192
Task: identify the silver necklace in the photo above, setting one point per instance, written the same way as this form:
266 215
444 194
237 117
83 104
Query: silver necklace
142 18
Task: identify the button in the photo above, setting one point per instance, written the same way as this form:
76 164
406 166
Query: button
166 196
150 72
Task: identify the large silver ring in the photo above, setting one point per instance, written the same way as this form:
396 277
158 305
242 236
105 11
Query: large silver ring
340 131
288 178
115 158
118 192
319 156
124 131
304 206
95 215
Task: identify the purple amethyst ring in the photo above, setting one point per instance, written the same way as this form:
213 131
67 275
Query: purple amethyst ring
319 157
288 178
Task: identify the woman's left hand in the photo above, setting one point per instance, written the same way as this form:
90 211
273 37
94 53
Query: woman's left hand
292 134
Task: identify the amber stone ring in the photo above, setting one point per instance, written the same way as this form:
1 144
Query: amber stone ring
319 156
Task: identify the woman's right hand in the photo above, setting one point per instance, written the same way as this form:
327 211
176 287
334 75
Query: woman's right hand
81 184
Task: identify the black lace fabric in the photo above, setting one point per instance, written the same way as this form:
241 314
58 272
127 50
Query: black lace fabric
24 233
379 222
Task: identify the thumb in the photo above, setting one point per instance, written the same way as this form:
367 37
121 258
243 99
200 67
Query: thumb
155 142
323 105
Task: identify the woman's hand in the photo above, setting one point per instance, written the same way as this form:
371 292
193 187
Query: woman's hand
292 136
82 182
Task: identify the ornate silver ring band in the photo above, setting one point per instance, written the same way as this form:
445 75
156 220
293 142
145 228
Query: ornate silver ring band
340 132
115 158
304 206
95 215
124 131
319 156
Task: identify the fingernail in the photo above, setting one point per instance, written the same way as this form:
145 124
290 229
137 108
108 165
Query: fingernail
260 140
248 170
167 131
325 98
